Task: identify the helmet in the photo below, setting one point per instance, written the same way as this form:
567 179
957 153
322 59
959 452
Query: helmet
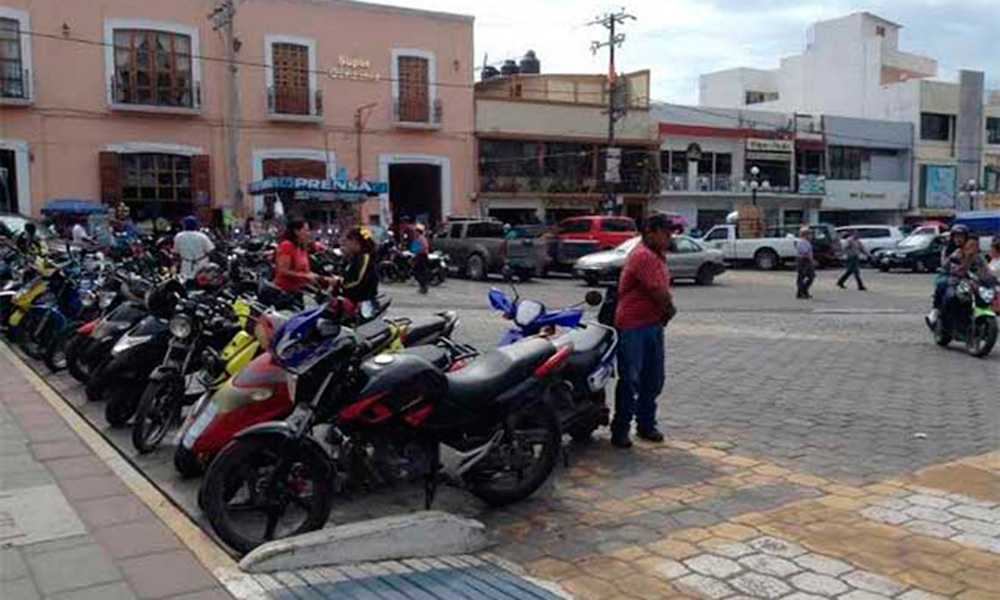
957 229
211 277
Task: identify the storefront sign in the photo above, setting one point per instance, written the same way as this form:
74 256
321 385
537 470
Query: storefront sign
760 145
939 187
812 185
865 195
769 156
301 184
353 69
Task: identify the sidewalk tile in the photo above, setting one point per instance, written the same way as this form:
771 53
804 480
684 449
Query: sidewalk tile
109 591
79 567
25 479
92 486
46 451
170 574
211 594
60 544
12 565
135 539
74 468
18 589
112 510
50 434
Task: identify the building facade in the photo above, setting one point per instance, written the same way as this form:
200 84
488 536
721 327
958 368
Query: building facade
127 101
542 144
798 169
852 67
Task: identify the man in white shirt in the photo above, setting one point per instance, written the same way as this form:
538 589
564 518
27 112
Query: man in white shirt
192 248
80 235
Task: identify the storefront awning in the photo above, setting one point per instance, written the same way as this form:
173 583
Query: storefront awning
74 207
319 189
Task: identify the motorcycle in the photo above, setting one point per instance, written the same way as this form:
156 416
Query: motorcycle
49 319
198 333
581 400
485 427
397 266
21 299
260 393
969 317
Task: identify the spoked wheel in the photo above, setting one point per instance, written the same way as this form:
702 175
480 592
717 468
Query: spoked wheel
985 330
262 489
159 409
522 461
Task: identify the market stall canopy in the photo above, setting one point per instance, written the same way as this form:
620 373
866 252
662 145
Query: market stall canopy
319 189
74 207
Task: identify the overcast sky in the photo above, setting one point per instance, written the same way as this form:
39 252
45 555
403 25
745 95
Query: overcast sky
679 39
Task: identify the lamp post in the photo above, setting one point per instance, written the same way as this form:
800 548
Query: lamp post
975 191
754 183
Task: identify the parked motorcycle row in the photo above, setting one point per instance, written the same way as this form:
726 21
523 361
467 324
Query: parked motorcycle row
284 407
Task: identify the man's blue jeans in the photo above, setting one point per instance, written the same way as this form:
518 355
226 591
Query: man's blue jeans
641 375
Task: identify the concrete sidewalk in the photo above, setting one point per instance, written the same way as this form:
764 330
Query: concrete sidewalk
70 529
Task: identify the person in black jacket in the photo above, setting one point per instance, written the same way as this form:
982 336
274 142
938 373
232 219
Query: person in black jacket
360 280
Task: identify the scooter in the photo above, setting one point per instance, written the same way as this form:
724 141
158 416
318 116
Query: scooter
969 317
260 392
581 399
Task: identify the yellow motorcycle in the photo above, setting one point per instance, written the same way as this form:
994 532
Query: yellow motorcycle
21 300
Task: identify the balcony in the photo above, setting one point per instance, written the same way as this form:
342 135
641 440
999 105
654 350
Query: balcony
16 92
295 105
121 100
718 184
417 115
549 186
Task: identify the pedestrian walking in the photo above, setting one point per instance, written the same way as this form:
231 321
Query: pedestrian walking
420 248
805 263
855 250
192 248
645 306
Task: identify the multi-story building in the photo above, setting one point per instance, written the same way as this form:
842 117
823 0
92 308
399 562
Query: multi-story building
127 100
542 146
798 169
852 67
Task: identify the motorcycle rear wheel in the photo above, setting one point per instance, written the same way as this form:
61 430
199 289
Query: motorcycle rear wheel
158 410
121 402
239 486
76 362
55 355
537 425
33 342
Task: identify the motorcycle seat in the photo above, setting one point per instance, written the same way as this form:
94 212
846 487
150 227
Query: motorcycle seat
435 355
377 333
498 371
424 329
589 345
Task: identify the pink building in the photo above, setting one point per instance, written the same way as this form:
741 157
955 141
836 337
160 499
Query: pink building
126 100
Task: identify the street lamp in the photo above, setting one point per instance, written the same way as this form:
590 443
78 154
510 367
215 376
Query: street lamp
975 192
754 183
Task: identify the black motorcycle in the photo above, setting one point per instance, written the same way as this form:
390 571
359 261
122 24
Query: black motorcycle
485 427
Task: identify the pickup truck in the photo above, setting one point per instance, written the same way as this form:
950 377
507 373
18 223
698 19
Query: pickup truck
480 247
765 253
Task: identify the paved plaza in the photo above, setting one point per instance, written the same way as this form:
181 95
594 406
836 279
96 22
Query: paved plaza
815 449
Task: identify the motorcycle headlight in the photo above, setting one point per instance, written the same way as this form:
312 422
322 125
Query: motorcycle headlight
129 341
180 327
88 299
987 294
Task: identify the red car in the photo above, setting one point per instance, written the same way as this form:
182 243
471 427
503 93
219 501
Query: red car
608 232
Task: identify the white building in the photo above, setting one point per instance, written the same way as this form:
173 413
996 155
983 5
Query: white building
853 67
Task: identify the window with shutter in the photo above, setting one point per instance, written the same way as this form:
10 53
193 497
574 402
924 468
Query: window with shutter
291 79
152 68
414 89
152 177
12 70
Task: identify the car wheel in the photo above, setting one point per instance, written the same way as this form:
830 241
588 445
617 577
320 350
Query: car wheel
477 268
706 275
766 259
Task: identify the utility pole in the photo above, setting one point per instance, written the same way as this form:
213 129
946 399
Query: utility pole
361 115
616 107
223 18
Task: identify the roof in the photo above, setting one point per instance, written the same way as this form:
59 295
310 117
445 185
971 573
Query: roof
878 18
388 8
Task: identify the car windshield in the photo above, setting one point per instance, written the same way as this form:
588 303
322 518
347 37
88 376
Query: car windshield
916 241
628 246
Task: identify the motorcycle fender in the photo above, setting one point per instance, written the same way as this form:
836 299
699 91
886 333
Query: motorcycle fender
283 433
983 311
163 373
279 429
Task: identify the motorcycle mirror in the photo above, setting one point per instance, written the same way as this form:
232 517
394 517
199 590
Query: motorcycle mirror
594 298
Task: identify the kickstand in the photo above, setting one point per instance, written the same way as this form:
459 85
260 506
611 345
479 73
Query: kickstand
431 482
565 454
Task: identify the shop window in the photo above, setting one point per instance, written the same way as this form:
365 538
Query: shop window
153 68
776 173
413 104
993 130
935 127
810 162
157 178
845 162
14 72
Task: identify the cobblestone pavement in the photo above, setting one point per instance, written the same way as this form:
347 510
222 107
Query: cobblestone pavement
815 449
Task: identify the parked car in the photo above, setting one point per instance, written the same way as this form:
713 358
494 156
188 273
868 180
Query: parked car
480 247
686 258
607 231
765 253
873 237
920 252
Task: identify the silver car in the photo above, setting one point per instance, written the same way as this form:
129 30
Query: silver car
686 259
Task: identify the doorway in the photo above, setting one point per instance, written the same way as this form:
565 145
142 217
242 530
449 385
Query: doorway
8 181
415 192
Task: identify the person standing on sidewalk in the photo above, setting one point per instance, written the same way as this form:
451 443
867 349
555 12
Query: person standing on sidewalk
421 249
805 264
855 250
645 306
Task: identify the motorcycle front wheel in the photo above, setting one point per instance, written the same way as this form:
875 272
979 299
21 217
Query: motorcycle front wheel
35 335
121 400
57 352
159 409
76 362
522 461
985 337
258 490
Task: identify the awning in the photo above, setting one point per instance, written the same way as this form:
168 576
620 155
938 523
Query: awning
74 207
322 189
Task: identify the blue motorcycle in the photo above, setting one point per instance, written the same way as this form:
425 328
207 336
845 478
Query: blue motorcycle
582 404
